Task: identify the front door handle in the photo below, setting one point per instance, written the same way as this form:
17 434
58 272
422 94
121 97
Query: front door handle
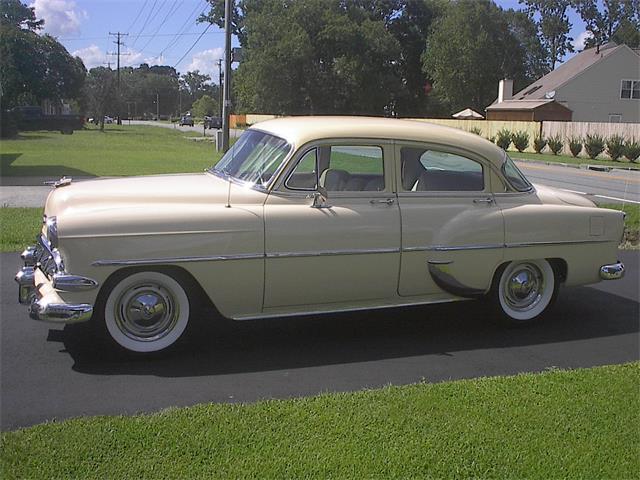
388 201
486 200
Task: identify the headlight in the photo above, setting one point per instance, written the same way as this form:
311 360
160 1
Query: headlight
52 231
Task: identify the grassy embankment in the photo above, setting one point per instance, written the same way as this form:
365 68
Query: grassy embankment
548 157
119 150
557 424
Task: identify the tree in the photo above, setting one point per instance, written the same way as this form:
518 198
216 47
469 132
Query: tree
34 67
14 13
470 49
618 19
100 93
525 30
553 23
205 106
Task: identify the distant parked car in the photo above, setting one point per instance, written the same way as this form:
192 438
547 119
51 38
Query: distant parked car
311 215
186 120
108 119
31 118
213 122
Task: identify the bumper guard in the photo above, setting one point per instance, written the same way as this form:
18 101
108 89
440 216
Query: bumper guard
612 272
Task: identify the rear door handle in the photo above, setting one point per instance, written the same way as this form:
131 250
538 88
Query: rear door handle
486 200
388 201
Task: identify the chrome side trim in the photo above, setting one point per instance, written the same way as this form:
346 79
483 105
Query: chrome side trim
323 253
241 256
159 261
444 248
556 242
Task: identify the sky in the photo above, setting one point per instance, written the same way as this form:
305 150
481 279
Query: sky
159 32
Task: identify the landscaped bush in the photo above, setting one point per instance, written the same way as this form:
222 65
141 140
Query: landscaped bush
492 139
575 145
594 145
539 143
475 131
615 147
555 144
503 139
632 150
520 140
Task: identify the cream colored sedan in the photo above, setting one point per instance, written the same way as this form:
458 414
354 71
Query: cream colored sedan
311 215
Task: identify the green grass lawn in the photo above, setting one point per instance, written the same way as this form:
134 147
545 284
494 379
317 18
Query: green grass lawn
18 227
557 424
548 157
119 150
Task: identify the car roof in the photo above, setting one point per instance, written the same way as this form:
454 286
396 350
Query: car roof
301 130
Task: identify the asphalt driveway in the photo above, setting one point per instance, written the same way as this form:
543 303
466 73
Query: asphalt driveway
55 373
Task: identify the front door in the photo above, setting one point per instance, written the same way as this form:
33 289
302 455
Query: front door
345 249
452 230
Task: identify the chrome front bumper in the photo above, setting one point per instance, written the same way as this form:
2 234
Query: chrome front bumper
612 272
40 290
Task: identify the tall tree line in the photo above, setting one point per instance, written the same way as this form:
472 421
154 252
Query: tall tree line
404 57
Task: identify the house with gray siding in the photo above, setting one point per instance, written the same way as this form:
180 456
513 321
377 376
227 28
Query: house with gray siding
596 85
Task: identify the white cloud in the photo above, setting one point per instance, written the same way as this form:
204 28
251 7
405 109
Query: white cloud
61 17
206 62
92 56
579 42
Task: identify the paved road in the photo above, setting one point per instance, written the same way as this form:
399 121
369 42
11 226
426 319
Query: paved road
54 372
233 132
615 186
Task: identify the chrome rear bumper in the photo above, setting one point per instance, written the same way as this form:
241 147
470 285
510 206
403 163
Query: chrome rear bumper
612 272
40 291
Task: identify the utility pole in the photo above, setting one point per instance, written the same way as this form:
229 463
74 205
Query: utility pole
157 107
227 75
220 86
119 43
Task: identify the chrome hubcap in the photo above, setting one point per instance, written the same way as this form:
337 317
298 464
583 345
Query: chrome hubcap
523 290
146 312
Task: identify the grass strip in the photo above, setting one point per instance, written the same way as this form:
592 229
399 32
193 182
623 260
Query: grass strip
548 157
631 223
19 227
557 424
119 150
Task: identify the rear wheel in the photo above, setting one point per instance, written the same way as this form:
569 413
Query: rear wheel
524 291
146 312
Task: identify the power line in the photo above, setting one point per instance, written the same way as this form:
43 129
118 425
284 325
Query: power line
142 36
164 20
145 22
193 45
137 16
183 28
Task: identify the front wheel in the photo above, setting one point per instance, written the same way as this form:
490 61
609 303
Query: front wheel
146 312
524 291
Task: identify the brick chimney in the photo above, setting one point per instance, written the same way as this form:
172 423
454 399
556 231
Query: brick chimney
505 90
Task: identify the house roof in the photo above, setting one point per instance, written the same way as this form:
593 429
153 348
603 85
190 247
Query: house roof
519 104
565 72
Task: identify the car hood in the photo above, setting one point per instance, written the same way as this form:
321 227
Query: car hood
138 191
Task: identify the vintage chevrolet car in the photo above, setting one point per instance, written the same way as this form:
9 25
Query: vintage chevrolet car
310 215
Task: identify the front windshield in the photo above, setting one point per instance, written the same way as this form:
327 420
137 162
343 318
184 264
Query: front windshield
254 158
515 177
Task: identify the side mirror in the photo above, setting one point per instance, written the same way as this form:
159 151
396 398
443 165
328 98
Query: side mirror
320 198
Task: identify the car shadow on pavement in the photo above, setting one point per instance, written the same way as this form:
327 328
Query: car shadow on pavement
219 346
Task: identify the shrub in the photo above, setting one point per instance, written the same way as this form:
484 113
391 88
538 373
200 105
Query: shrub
503 140
632 150
492 139
539 143
615 147
575 145
555 144
520 140
475 131
594 145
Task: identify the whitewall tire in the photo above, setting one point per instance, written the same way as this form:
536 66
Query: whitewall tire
525 290
146 312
